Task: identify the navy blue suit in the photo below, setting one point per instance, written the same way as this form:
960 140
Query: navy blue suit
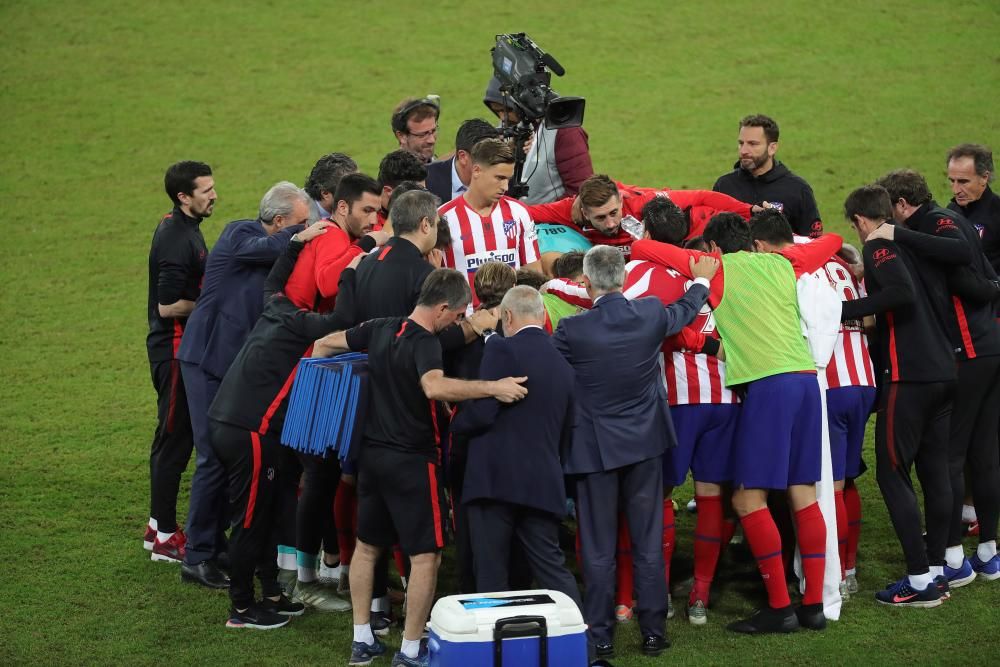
231 300
621 427
439 179
513 485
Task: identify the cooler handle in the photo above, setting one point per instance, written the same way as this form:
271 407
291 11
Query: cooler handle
521 626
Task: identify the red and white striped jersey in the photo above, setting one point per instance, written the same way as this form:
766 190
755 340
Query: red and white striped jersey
689 377
851 365
506 234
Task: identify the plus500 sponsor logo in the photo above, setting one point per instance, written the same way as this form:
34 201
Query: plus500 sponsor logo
473 262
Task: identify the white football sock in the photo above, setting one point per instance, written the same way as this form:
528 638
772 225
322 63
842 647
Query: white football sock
410 647
919 582
383 604
853 571
306 566
152 523
968 513
286 557
937 571
954 557
363 633
163 537
986 550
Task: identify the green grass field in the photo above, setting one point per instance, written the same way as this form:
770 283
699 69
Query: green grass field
99 97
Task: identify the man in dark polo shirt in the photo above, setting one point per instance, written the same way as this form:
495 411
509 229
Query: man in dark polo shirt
399 488
176 266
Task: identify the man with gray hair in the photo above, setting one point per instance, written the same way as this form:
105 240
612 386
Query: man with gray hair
621 429
970 170
231 300
513 485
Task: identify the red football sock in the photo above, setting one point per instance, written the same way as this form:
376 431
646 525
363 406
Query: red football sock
765 544
623 565
669 533
852 501
345 512
812 547
708 533
841 530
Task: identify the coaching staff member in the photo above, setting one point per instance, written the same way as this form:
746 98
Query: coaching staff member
513 475
230 302
757 177
970 170
621 429
176 266
399 492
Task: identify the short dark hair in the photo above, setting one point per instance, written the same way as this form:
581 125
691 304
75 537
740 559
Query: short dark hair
180 177
982 158
665 221
597 191
906 184
414 108
445 286
403 188
444 235
471 132
353 186
696 243
530 278
869 201
728 231
568 265
399 166
412 207
491 152
771 226
326 175
766 123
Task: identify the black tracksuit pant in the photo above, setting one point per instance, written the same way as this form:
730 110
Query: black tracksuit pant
912 428
974 440
314 520
172 443
252 464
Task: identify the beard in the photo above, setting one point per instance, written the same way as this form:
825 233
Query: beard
754 163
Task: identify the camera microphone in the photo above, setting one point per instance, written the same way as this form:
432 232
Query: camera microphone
553 64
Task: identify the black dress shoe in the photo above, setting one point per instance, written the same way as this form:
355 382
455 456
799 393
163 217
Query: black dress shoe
205 573
767 620
604 650
222 560
654 646
811 616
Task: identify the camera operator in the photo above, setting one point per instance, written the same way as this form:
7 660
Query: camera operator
557 161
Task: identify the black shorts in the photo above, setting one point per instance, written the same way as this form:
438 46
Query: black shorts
400 499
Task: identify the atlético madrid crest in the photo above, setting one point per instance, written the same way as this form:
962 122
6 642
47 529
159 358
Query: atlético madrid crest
510 228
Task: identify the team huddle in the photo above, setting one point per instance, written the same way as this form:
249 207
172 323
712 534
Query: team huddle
567 360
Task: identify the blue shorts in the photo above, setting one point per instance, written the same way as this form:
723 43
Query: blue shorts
847 412
779 438
704 442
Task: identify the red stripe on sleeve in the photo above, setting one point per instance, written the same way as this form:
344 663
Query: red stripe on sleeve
963 327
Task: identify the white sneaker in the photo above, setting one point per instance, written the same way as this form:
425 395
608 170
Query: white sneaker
692 506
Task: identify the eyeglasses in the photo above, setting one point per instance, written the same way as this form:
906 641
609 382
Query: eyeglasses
423 135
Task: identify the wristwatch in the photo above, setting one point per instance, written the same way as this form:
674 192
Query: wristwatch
487 333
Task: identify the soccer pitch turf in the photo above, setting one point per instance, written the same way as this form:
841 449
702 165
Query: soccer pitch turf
100 97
